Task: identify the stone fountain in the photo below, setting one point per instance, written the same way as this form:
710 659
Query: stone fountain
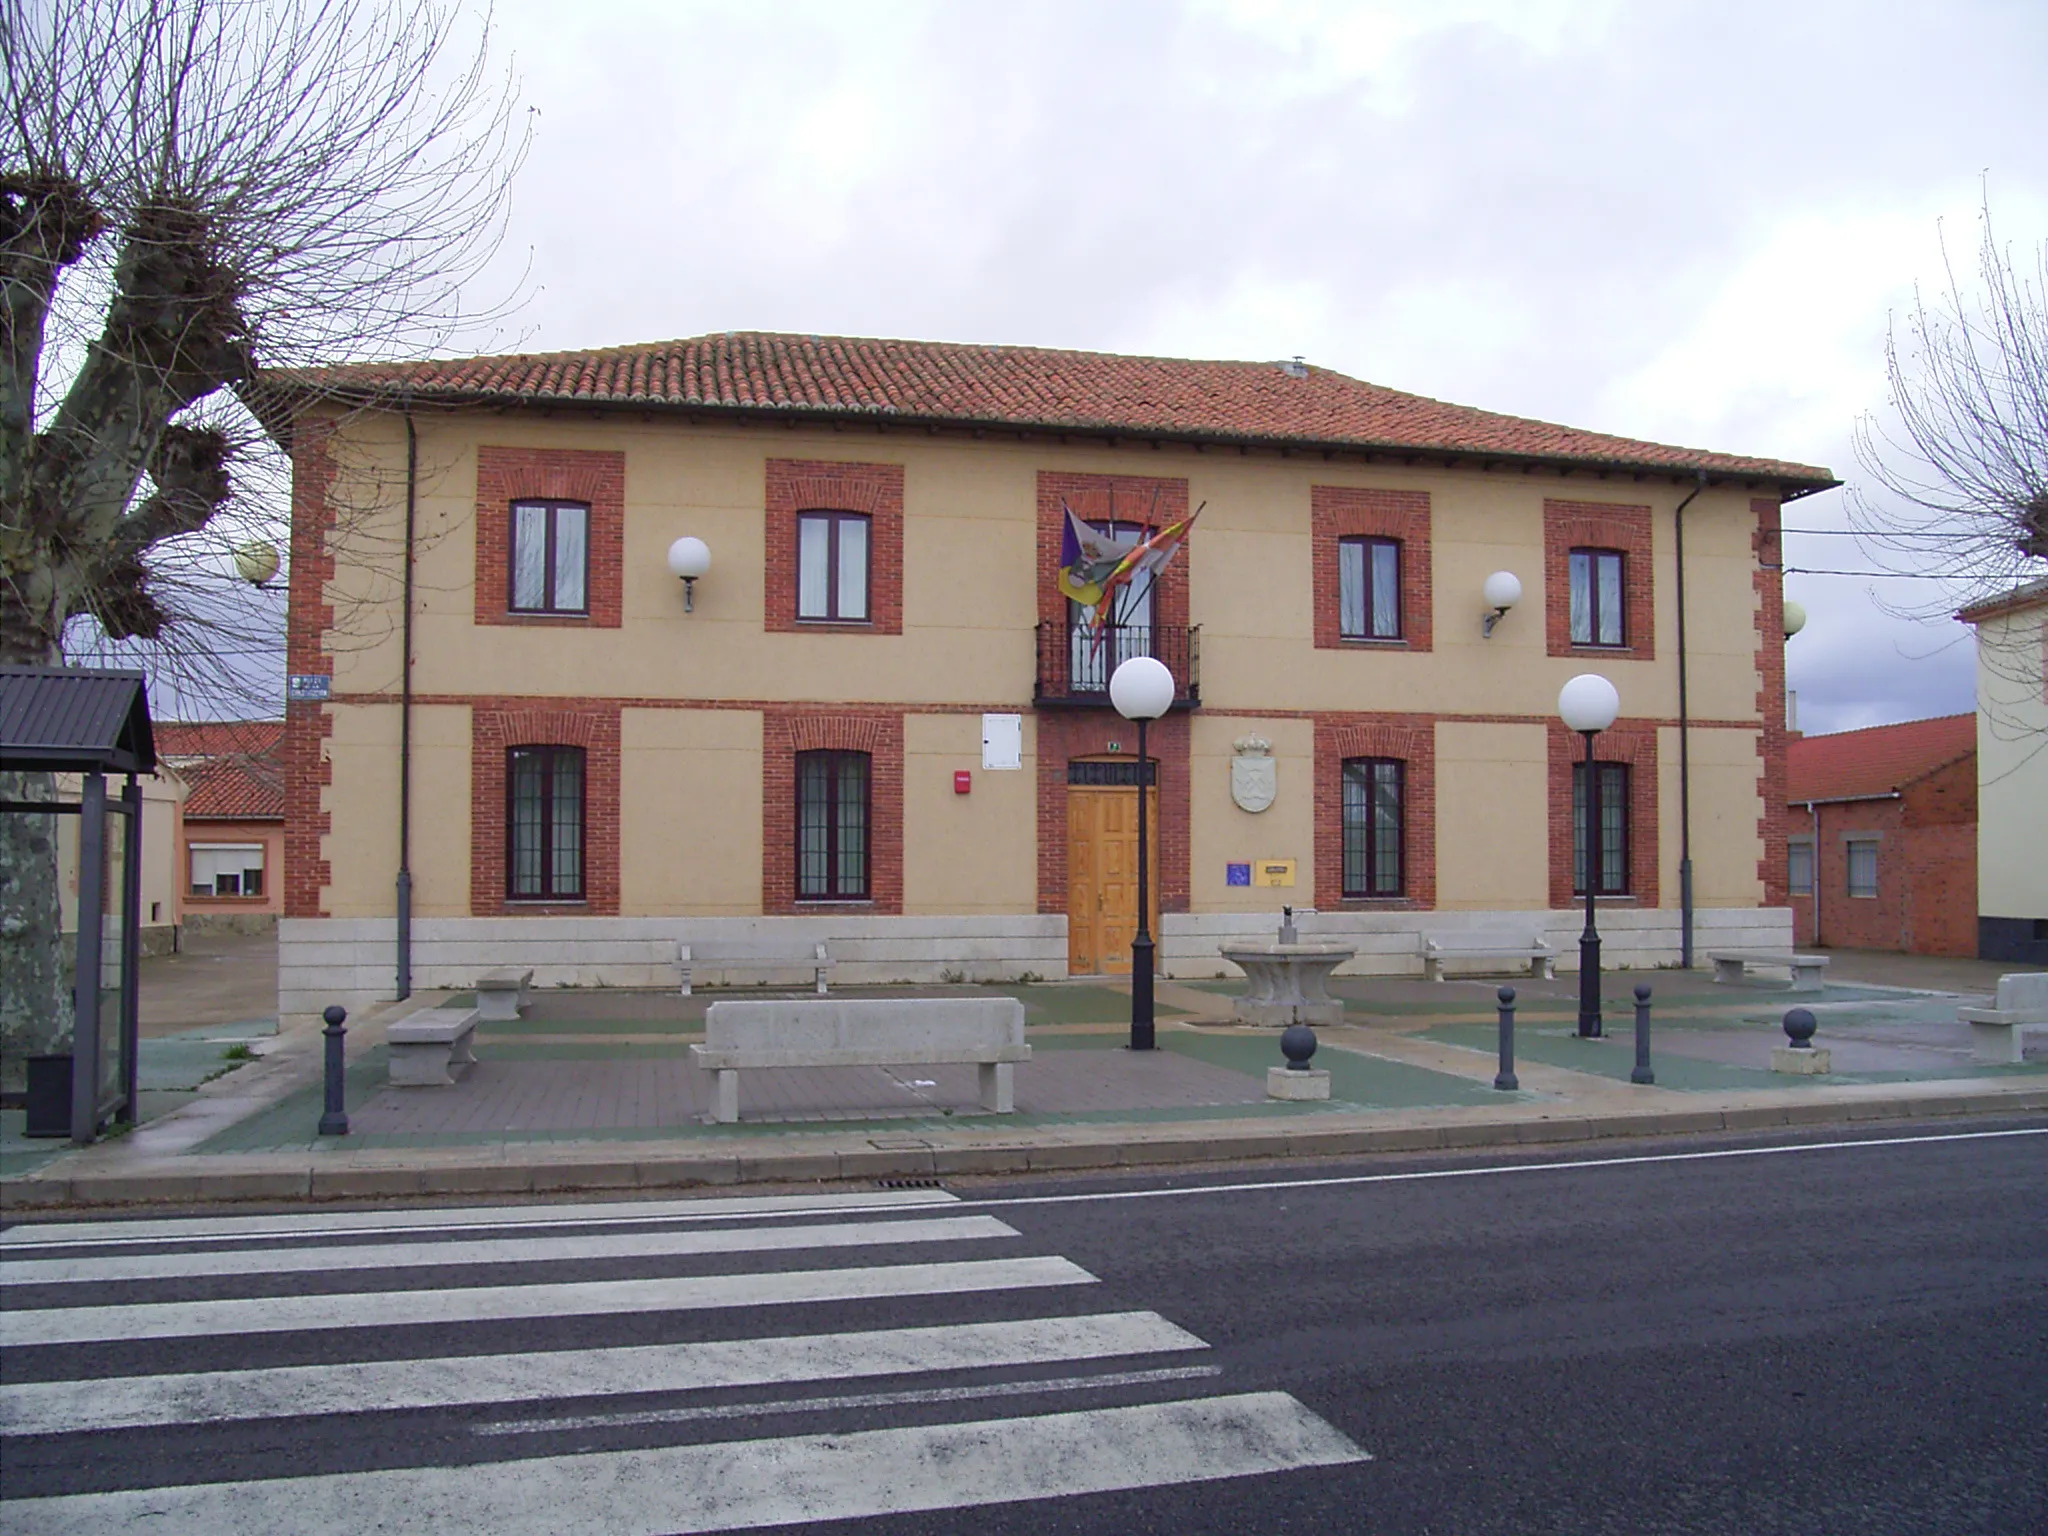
1288 982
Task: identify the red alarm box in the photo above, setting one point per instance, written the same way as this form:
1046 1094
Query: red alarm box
963 781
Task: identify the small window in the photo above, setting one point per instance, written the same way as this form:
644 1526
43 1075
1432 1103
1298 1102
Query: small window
550 557
227 869
832 567
1372 826
1863 869
832 826
1601 841
1597 601
1369 589
1799 869
544 853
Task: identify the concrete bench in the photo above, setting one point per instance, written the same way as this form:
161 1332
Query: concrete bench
1809 972
1484 944
754 959
864 1032
501 994
432 1048
1998 1034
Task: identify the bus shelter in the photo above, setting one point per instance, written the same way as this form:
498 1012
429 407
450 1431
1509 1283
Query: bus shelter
84 725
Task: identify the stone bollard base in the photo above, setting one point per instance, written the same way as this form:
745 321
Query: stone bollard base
1807 1063
1286 1083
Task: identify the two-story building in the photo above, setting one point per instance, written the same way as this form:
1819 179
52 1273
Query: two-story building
879 719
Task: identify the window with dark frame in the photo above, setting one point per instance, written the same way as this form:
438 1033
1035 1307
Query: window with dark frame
1799 868
1369 589
544 823
1608 850
1863 869
550 557
832 805
1599 602
832 567
1373 826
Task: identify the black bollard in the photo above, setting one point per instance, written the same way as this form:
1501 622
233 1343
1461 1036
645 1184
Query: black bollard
1504 1079
334 1122
1642 1073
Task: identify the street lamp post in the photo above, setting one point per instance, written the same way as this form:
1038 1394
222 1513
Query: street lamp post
1142 690
1588 705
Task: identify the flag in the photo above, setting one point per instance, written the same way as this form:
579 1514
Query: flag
1086 557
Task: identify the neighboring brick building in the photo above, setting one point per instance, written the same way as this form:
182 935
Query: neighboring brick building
230 851
1882 837
876 721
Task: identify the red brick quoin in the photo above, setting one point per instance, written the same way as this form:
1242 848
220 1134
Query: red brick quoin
307 725
1150 502
1065 735
1631 742
810 485
789 729
1569 525
506 475
1342 512
520 723
1770 702
1411 739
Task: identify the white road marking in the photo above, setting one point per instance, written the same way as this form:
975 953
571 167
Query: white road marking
736 1484
384 1309
187 1263
1425 1174
1038 1388
65 1407
468 1218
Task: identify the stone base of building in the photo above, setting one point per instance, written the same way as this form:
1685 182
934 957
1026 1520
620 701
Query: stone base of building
353 961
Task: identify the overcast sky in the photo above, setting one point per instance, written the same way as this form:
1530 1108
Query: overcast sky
1685 223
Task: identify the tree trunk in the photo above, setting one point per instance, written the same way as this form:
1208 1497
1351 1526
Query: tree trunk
35 983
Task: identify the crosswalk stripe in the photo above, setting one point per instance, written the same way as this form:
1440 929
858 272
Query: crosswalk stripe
364 1309
62 1407
735 1484
177 1229
185 1264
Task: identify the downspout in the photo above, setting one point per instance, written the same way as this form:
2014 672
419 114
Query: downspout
1684 744
1813 810
412 478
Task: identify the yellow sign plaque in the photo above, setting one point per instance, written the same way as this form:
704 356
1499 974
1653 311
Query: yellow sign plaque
1273 872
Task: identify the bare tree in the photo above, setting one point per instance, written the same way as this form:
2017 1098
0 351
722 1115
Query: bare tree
191 190
1959 470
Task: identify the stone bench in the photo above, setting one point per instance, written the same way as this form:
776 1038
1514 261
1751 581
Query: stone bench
1809 972
432 1048
1997 1034
501 994
754 959
864 1032
1486 944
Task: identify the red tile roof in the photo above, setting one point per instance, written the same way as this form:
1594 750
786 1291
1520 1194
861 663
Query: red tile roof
1854 765
233 769
1036 388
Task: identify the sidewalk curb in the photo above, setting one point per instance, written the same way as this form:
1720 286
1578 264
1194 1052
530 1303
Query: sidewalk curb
1211 1142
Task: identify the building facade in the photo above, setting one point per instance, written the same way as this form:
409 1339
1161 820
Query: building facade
230 853
1881 839
879 719
2012 766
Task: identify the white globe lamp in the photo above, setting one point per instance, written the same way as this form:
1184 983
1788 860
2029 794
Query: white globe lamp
1588 703
689 558
1503 590
1142 690
1795 617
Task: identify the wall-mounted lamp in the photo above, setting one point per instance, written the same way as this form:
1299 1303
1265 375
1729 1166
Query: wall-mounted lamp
689 558
256 562
1795 617
1503 590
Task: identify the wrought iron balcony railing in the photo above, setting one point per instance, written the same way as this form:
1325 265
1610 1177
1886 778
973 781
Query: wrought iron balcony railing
1074 664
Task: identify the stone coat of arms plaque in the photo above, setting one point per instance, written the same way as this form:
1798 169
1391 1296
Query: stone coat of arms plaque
1254 775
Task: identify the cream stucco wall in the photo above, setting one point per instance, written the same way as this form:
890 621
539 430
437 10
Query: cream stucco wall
2012 763
975 853
689 812
1493 851
1220 834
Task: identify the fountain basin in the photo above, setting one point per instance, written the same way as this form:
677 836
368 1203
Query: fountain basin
1288 983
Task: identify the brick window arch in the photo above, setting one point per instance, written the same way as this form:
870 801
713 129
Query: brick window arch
592 731
1628 743
1406 740
1594 528
872 491
791 733
592 479
1353 515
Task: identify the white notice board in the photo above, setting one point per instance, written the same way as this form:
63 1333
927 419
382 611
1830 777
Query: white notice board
1002 741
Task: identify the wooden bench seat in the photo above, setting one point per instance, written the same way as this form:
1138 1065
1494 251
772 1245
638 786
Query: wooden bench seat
864 1032
1488 944
1809 972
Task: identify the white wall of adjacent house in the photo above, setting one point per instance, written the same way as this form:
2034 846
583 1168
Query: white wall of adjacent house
162 795
2012 763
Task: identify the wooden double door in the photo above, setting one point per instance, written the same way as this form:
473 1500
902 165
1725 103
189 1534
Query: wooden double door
1102 876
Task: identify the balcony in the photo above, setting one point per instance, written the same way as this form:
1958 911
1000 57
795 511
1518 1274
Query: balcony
1074 665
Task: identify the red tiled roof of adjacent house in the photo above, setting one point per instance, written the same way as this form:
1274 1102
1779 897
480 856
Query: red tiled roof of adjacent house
1854 765
1034 388
233 769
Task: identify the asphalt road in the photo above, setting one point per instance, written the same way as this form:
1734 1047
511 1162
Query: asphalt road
1811 1337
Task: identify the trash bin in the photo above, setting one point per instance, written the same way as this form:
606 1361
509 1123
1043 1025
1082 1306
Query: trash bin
49 1096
